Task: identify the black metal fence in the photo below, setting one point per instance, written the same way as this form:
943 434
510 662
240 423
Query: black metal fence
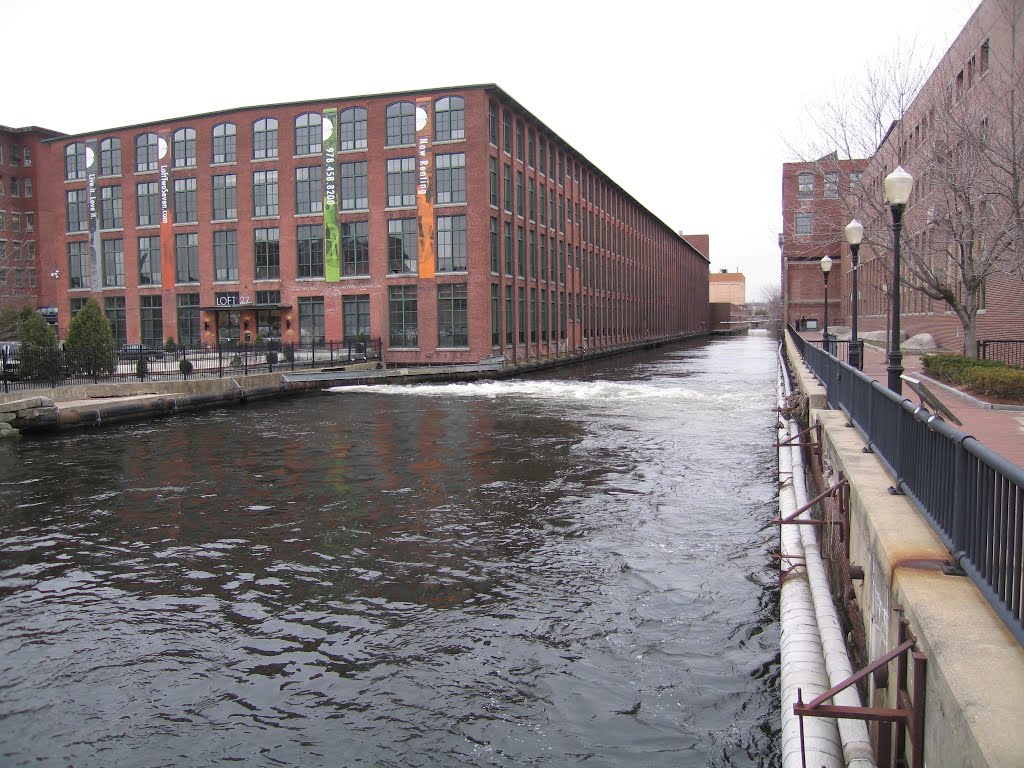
845 350
972 496
1009 351
25 368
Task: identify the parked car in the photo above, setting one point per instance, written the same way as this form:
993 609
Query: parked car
137 351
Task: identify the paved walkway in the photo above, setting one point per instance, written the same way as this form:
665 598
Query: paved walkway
999 427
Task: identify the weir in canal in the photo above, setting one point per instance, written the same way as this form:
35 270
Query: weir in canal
572 568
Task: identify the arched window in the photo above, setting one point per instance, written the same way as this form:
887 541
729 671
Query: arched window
224 143
110 157
264 138
147 153
401 124
449 119
352 129
309 134
184 147
74 161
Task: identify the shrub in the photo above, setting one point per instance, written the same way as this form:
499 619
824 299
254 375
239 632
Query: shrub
141 367
289 353
185 366
90 344
996 381
170 346
236 360
39 357
271 358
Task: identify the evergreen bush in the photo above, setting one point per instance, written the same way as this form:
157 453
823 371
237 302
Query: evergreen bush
89 347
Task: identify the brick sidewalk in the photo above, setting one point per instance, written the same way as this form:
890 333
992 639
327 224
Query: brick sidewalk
1000 429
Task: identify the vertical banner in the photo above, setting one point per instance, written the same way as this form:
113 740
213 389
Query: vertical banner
92 158
424 189
167 261
332 237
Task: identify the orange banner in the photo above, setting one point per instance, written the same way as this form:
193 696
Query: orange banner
425 189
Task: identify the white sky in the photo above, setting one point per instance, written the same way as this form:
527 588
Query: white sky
686 105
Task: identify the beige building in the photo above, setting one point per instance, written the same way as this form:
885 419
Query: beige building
727 288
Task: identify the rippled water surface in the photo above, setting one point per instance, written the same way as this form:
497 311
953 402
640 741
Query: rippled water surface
558 570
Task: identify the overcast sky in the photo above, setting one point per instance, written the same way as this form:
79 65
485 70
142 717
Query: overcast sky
686 105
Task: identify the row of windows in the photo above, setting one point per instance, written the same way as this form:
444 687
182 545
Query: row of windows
19 186
19 222
400 129
309 253
17 278
806 181
17 250
19 155
449 188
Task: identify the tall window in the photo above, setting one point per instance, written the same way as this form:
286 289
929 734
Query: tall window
805 185
451 243
450 178
151 320
110 157
264 193
224 143
449 119
355 313
352 129
78 214
225 197
520 144
225 256
79 275
402 246
507 201
354 195
506 131
509 317
402 325
110 208
268 253
189 330
147 152
520 203
492 180
509 253
831 186
495 315
185 201
309 250
74 161
312 329
113 263
495 246
803 224
355 248
452 315
522 315
149 261
264 139
492 123
186 258
147 198
400 124
308 134
308 192
401 182
184 148
114 309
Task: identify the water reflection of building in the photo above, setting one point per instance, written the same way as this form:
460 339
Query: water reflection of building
451 223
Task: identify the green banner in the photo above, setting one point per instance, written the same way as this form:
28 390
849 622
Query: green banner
332 235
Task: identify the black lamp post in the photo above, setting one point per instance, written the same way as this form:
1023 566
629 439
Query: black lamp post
897 191
854 234
826 265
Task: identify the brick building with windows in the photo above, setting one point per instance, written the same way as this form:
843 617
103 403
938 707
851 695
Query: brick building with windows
452 224
960 139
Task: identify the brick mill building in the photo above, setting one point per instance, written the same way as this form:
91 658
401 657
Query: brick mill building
452 224
954 137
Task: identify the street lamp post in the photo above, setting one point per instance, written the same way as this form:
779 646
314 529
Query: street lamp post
898 185
826 265
854 235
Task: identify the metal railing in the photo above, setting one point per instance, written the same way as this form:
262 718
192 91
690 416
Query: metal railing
971 496
29 368
1009 351
845 349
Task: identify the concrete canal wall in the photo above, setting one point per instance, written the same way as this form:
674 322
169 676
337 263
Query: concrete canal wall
974 678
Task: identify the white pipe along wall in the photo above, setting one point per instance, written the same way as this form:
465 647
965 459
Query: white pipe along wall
813 651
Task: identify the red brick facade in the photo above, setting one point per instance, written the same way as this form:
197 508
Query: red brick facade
595 269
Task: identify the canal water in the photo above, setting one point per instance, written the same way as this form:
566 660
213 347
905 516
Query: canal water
565 569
